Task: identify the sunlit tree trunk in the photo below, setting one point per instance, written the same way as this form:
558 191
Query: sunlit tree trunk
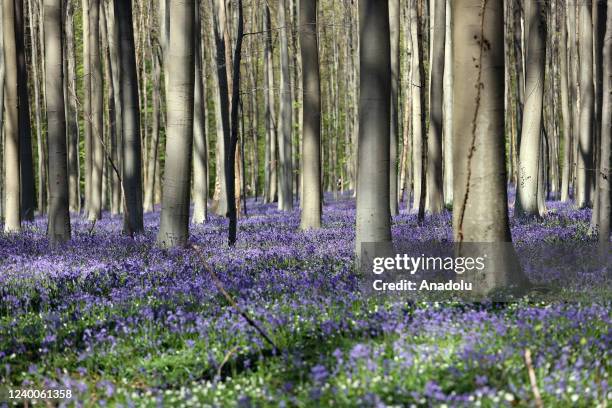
200 176
529 156
418 107
70 96
311 147
480 213
373 215
58 229
605 165
585 164
447 115
285 176
394 27
12 192
180 70
270 114
96 118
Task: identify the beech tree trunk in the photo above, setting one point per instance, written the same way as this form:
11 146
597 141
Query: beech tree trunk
12 188
285 176
480 213
131 150
97 106
26 162
435 197
74 185
565 108
529 156
373 208
311 145
180 70
605 164
585 163
394 27
200 175
58 229
270 115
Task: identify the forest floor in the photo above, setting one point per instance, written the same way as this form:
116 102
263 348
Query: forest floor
118 321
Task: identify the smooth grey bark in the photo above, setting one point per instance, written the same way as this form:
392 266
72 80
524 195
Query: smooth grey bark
2 75
565 107
418 108
58 229
97 106
531 130
605 164
373 209
394 28
200 174
12 192
74 185
152 164
180 71
26 162
584 170
40 140
285 175
112 29
222 105
480 213
311 145
435 188
87 122
131 150
270 111
447 114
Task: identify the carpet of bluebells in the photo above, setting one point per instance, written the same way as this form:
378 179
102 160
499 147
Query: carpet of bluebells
121 322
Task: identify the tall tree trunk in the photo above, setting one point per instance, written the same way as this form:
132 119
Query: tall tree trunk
605 164
117 119
40 141
285 176
231 140
97 106
74 185
26 163
447 115
270 115
2 82
529 156
435 198
418 107
132 159
222 105
59 219
152 164
565 107
87 122
311 145
200 176
373 215
174 225
584 169
12 192
480 213
394 27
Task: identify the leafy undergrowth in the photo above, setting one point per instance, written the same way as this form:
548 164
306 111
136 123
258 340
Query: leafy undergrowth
121 322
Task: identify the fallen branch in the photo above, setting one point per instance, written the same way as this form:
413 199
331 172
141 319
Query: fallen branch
533 380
